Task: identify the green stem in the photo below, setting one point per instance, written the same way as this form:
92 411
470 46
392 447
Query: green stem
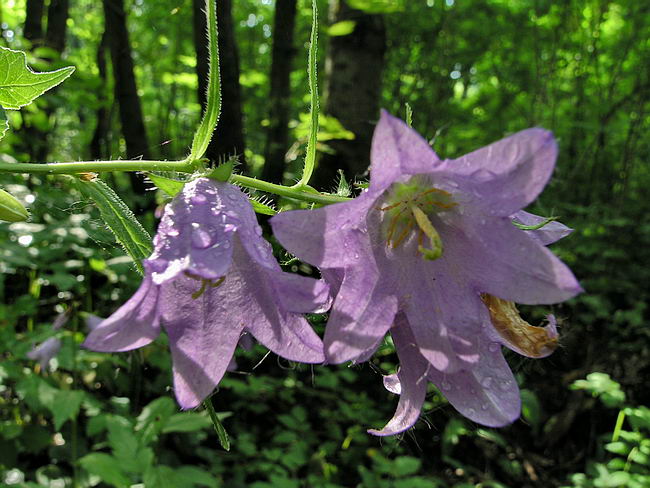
218 426
285 191
186 166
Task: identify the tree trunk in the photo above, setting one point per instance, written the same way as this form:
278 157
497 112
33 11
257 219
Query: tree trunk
33 29
353 69
99 142
228 139
282 55
126 92
57 20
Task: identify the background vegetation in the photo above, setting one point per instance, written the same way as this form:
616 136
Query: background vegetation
473 72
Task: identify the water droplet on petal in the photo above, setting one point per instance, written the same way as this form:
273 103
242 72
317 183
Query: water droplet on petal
226 244
505 384
198 199
258 231
173 232
487 382
472 391
484 406
446 385
232 197
494 347
471 411
356 255
201 238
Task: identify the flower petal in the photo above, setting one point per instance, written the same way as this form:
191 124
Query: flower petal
196 231
507 175
398 150
328 236
487 394
202 334
505 262
300 294
550 233
361 315
412 377
257 307
134 324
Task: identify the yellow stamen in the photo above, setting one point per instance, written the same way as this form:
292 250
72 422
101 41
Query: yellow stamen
430 231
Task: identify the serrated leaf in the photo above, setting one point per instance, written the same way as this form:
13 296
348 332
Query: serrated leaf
11 210
19 85
66 406
120 220
4 123
106 467
168 185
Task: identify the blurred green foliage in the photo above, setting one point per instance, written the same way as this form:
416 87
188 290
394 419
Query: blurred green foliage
473 72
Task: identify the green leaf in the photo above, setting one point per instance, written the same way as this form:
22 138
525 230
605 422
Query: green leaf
66 406
343 28
106 467
4 123
224 440
119 218
210 118
154 418
314 108
186 422
405 465
377 6
19 85
11 210
168 185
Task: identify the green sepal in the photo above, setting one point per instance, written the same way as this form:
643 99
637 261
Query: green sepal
263 209
543 223
343 188
135 240
168 185
222 172
20 85
11 210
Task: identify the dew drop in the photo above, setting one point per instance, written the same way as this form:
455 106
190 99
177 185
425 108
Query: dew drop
201 238
258 231
198 199
487 382
484 406
173 232
446 385
505 384
472 391
356 255
471 411
232 197
226 244
494 347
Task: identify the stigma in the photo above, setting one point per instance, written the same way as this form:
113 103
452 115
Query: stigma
409 207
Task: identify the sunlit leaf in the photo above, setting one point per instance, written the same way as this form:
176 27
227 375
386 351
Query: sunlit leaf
4 123
11 210
19 85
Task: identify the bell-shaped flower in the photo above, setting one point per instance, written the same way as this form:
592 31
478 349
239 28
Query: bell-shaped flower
211 278
430 249
45 352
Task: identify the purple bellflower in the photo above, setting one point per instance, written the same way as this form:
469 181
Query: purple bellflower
45 352
429 252
212 278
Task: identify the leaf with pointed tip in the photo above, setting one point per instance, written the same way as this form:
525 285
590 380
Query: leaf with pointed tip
119 219
19 85
263 209
11 210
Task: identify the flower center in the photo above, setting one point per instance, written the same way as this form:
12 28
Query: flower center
408 208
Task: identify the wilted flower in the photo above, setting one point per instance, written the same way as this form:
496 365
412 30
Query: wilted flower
45 352
430 250
212 277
